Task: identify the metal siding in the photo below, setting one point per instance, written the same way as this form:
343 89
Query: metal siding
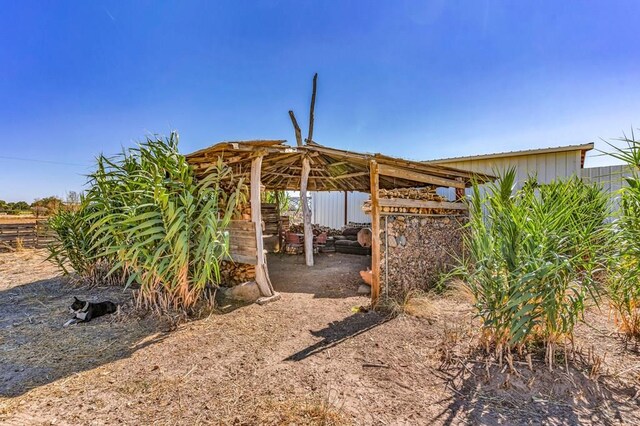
328 208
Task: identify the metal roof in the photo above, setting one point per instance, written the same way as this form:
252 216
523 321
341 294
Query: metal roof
583 148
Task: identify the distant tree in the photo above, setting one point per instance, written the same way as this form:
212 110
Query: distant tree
73 198
51 204
19 206
3 205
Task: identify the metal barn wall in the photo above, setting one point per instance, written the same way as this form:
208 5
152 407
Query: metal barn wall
610 177
547 166
328 208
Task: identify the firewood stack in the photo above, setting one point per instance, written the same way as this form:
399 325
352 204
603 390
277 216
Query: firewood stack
424 194
298 228
270 218
232 274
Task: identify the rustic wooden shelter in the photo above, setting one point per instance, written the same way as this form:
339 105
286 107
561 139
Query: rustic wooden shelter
273 165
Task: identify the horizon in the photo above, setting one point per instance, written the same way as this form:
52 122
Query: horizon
419 81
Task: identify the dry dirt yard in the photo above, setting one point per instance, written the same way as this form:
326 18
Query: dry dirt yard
310 358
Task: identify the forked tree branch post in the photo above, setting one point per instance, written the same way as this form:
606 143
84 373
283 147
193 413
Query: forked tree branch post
312 107
296 128
306 212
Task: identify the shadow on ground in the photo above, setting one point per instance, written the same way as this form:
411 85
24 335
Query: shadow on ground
339 331
495 395
37 350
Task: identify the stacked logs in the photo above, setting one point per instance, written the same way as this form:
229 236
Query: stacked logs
298 228
232 274
427 194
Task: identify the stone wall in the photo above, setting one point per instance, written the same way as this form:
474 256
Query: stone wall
420 248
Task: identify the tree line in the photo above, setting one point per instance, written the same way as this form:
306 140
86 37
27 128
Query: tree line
43 206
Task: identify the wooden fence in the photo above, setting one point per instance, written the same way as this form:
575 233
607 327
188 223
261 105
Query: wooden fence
29 235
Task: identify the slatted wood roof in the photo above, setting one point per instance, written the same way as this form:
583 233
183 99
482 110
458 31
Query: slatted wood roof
331 169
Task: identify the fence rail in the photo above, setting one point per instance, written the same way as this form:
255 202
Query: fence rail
30 235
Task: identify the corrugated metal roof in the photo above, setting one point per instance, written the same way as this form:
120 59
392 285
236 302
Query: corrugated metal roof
584 148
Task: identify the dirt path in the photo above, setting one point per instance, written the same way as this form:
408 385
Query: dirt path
307 359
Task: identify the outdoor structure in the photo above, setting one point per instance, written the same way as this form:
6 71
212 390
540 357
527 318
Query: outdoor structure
331 209
272 165
546 164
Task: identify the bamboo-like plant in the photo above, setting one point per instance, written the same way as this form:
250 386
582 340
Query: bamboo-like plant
530 259
73 247
150 220
624 277
165 228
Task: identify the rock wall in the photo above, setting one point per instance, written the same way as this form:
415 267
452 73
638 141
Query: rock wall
420 248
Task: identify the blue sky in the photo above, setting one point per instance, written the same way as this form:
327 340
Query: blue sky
421 80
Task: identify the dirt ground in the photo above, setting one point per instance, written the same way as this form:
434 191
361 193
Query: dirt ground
310 358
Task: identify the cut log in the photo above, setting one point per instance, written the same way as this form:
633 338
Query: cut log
364 237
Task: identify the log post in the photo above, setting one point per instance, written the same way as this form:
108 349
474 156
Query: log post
306 212
375 231
262 275
346 207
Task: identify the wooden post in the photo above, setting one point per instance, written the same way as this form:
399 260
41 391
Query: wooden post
279 228
375 231
262 276
296 128
312 108
306 212
346 208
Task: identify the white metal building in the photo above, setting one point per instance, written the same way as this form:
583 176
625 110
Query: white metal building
546 163
334 210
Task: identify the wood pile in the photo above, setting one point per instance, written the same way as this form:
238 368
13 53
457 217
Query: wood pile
298 228
416 250
427 194
270 218
232 274
410 210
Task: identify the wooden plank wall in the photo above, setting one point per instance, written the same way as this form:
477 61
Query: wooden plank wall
31 235
242 241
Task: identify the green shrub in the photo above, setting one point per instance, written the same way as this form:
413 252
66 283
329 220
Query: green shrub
531 257
624 282
153 222
73 247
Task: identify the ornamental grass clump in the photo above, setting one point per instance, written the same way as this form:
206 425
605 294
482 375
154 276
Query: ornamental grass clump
73 248
154 223
530 260
624 277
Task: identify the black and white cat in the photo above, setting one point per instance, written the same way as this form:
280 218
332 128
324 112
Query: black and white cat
85 311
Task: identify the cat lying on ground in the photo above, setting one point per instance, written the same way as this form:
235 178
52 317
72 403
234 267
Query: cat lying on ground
85 311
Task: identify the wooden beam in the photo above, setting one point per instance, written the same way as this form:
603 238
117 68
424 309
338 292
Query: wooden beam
375 231
296 128
393 171
312 108
262 275
346 207
421 204
306 213
350 175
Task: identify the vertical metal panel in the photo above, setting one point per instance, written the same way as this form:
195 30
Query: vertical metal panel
328 208
611 178
354 207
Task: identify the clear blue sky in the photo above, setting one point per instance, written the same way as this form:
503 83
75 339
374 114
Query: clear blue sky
419 79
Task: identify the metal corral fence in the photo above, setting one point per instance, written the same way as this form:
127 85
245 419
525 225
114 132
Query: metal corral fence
35 234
